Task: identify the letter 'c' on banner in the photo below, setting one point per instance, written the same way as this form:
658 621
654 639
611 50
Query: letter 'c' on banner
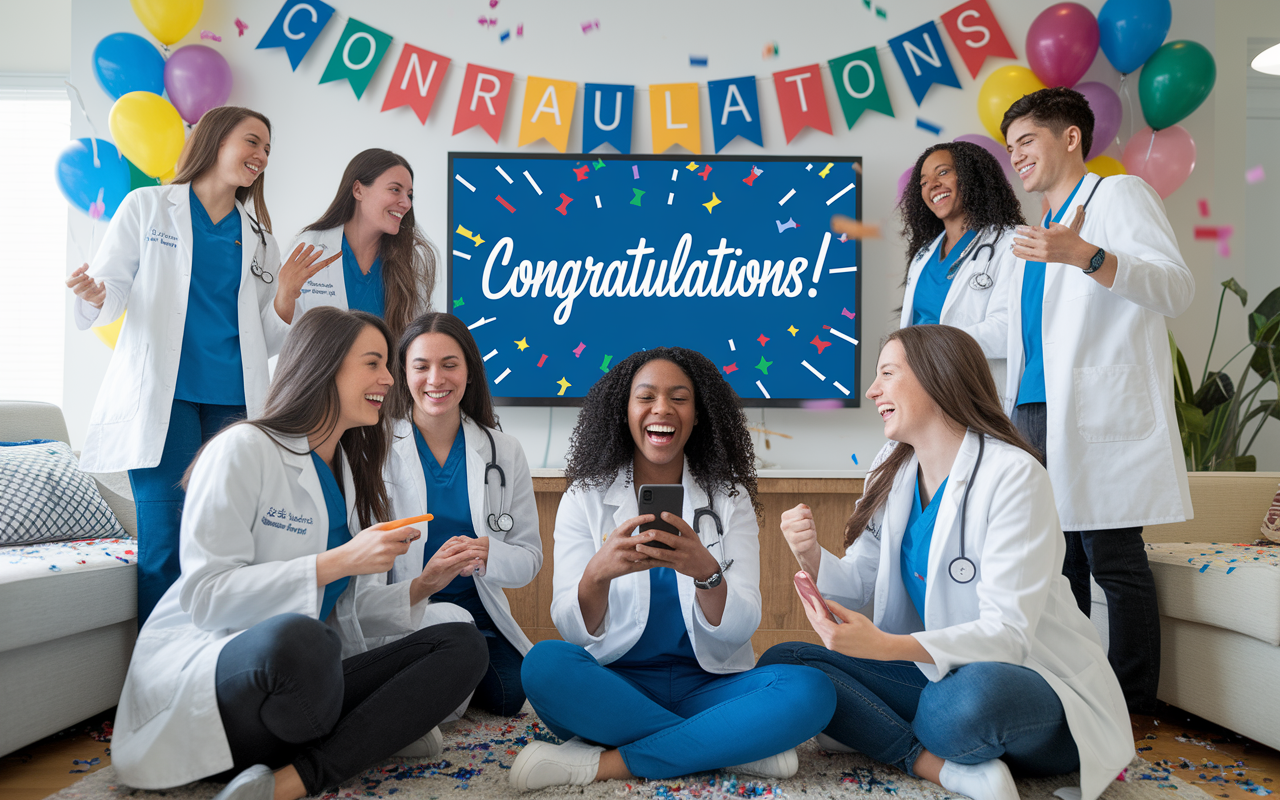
548 111
416 81
483 100
976 34
801 100
296 27
673 115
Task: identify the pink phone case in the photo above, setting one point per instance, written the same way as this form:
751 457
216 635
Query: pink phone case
807 590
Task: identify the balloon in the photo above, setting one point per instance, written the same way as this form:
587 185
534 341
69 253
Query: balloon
1062 43
197 78
991 146
125 62
168 177
1105 166
1162 158
1174 82
82 183
904 180
1107 114
138 178
109 334
1130 31
1001 89
148 130
168 20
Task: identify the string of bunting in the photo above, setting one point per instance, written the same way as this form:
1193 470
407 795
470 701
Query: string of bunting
673 107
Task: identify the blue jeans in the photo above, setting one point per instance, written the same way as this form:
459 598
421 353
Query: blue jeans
158 496
890 711
500 691
674 718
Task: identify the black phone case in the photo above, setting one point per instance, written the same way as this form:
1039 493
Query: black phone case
667 497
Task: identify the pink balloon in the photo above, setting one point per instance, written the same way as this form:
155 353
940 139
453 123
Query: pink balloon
904 181
1107 114
1162 158
1062 43
197 78
993 147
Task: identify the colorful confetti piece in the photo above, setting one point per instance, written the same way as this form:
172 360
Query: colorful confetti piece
577 351
821 345
847 313
468 234
482 321
1204 207
533 183
565 200
839 386
635 201
1256 175
590 25
826 170
563 385
731 368
459 303
522 343
925 125
839 194
763 390
504 374
764 365
788 225
705 172
504 174
542 360
210 35
671 197
762 339
490 354
506 205
241 26
604 365
835 332
712 203
855 455
598 201
697 61
635 171
770 50
751 179
461 254
793 330
809 367
582 171
463 181
790 195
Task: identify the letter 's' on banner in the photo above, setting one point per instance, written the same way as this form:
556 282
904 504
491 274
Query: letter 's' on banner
976 34
801 100
673 115
606 116
416 81
548 111
359 52
483 101
922 55
735 111
296 27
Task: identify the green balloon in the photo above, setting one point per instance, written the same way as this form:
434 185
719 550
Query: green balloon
1174 82
138 178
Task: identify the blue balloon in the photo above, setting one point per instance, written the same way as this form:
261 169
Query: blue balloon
125 62
1131 31
82 183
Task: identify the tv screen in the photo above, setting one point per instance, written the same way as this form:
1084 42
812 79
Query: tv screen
563 265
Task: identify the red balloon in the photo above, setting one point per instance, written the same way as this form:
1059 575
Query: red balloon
1163 158
1062 43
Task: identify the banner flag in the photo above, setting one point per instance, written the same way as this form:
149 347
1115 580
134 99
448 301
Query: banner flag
801 100
548 111
860 84
976 34
416 81
673 115
606 116
483 101
735 111
296 28
359 52
923 58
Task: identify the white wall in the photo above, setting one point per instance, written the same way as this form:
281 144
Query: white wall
318 127
36 36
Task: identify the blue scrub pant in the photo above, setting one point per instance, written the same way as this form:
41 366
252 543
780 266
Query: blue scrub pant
890 711
673 718
158 496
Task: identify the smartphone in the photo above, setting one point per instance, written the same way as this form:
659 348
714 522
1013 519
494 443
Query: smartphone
654 498
807 589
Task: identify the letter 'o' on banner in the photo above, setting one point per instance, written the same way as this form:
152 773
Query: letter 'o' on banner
416 81
548 111
735 111
673 115
976 34
801 100
860 84
296 27
606 116
483 101
923 58
359 52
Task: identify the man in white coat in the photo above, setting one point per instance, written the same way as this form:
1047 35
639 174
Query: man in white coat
1090 379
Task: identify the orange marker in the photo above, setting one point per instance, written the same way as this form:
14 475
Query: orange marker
400 523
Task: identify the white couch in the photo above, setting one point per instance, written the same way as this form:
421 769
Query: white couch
67 623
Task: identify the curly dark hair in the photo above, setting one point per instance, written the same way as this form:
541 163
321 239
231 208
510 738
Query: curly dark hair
1056 108
719 452
985 195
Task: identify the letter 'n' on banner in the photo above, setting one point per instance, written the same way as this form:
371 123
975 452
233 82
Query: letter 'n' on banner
673 115
923 58
416 80
735 111
801 100
483 101
606 116
860 84
548 111
976 34
296 28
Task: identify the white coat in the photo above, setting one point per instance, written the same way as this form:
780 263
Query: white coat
1018 610
254 521
1114 451
981 313
585 520
145 264
328 287
514 556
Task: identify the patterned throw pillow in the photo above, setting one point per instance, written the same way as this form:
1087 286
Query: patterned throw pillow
44 497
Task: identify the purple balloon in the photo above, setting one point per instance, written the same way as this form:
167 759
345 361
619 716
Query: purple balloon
904 180
1062 43
1107 114
993 147
197 78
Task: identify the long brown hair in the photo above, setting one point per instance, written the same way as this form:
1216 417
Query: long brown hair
477 402
200 154
408 260
953 370
303 399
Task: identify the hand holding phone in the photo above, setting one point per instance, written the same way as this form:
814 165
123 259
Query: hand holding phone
809 592
655 498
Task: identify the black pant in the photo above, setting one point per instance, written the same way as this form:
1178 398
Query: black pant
287 697
1117 559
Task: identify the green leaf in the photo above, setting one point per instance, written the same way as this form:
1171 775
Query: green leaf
1265 357
1237 289
1269 407
1238 464
1191 419
1269 308
1216 391
1182 376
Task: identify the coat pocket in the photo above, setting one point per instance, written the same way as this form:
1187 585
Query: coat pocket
1113 404
121 391
155 677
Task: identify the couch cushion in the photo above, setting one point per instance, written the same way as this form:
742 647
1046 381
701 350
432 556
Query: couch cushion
1230 586
44 497
57 589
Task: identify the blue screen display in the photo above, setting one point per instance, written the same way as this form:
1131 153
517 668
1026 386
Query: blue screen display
564 265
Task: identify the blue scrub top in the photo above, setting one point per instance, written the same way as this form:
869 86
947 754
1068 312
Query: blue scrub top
914 560
364 292
451 509
665 638
1031 389
339 534
211 369
933 284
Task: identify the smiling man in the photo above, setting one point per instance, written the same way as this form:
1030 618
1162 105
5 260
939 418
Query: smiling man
1090 380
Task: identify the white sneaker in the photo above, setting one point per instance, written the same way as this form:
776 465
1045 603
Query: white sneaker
989 780
255 783
831 745
782 765
542 764
429 746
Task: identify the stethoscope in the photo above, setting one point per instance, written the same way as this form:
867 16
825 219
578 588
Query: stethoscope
979 280
708 511
501 522
961 569
255 268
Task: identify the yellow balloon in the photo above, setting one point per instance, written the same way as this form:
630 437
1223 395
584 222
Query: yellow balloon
1105 166
168 20
148 130
109 333
168 177
1002 89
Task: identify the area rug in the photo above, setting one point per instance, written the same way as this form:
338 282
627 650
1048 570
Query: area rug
479 749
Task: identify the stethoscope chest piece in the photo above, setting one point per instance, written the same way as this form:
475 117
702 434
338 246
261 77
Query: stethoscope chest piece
962 570
501 522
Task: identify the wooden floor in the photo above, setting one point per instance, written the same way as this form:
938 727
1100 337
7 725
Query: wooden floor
1232 767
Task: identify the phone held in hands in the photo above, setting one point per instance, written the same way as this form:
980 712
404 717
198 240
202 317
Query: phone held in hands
654 498
809 591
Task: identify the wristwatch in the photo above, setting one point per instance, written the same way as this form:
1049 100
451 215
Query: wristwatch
712 582
1095 263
